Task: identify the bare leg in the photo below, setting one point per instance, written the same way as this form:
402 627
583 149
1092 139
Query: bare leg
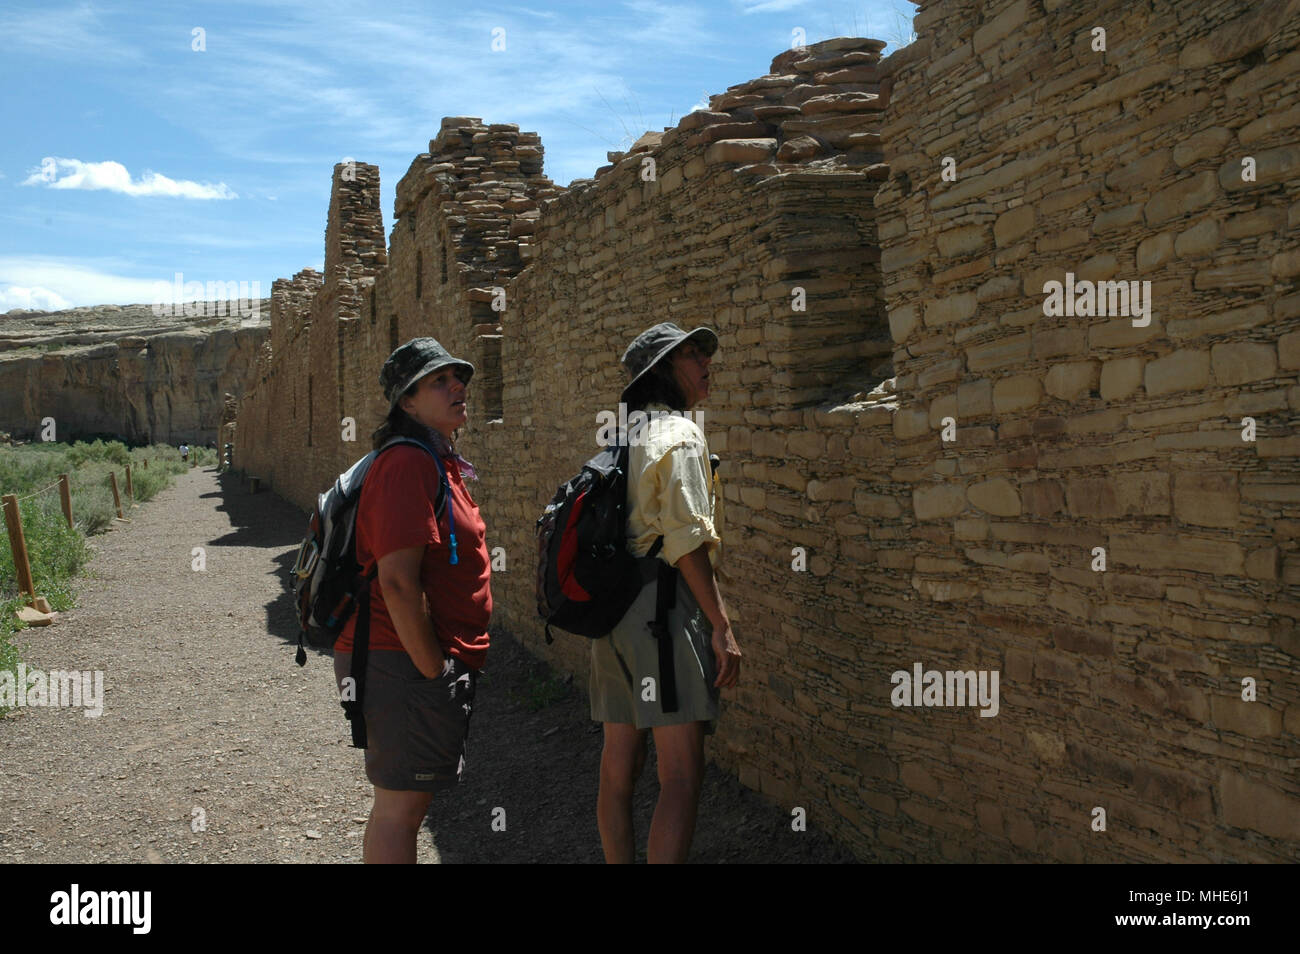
394 824
680 750
621 761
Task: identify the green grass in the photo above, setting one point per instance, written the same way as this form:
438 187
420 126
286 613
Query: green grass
542 690
57 553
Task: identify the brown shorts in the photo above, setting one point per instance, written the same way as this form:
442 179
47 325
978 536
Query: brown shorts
415 727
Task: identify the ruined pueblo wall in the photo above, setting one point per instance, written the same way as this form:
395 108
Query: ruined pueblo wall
859 542
1083 436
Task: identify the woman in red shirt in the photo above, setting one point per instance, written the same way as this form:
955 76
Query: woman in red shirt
429 604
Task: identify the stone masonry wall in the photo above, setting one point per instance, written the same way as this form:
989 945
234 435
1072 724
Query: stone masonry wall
1121 688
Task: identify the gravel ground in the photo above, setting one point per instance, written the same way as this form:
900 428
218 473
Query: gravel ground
207 718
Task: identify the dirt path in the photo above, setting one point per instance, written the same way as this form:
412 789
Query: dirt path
205 712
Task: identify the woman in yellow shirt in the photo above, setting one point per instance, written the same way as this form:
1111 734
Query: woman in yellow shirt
670 495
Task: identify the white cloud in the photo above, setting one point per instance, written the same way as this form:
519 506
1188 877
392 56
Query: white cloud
78 33
35 299
73 283
57 173
770 6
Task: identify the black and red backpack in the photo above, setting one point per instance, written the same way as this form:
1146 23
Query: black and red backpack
586 579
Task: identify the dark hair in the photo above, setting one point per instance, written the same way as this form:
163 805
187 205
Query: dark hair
398 424
658 386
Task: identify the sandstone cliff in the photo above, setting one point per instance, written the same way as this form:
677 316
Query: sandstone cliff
122 371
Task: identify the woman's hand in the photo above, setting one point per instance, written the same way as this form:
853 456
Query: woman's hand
697 572
727 653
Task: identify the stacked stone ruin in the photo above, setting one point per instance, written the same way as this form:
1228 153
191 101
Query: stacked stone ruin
920 463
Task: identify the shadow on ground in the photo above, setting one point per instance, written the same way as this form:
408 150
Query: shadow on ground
540 762
533 749
266 521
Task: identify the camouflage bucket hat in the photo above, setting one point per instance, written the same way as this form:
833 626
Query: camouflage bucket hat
412 361
653 344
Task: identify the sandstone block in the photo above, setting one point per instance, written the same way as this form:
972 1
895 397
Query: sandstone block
1207 499
1154 251
1124 217
1234 319
1042 498
1159 551
1242 274
1288 350
798 149
975 398
740 150
941 407
851 102
944 591
1013 225
963 240
1129 83
944 311
1258 806
1255 719
1200 240
1271 165
1202 145
1001 26
1144 494
1121 333
1184 370
1053 342
1268 124
1243 362
1008 351
1187 195
911 422
1255 222
1136 174
876 505
838 488
1285 264
935 501
997 496
1070 380
704 117
1016 393
810 445
902 322
1120 378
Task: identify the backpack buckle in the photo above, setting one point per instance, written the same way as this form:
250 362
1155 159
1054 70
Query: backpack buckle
308 556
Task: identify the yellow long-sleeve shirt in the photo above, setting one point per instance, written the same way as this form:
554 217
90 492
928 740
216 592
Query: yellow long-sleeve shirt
671 489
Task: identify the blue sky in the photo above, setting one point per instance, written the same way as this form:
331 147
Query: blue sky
129 156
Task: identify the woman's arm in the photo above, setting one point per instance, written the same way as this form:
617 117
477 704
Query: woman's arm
698 574
399 578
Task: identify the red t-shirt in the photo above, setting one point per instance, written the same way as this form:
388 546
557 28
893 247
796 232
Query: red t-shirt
396 512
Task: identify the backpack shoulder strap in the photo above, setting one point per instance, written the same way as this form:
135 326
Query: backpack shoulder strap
443 490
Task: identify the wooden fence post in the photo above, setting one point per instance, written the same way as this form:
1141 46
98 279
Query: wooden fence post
117 500
146 463
22 569
130 488
65 498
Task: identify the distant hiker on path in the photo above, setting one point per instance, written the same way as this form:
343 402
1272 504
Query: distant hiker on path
430 603
669 494
185 453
